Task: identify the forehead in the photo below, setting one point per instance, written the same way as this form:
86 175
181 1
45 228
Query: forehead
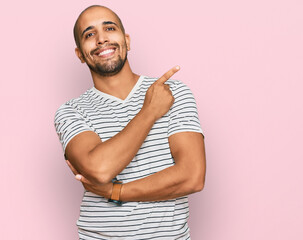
95 16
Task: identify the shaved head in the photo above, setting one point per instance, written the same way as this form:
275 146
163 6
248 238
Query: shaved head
76 27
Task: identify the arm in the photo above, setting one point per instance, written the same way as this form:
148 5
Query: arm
100 161
185 177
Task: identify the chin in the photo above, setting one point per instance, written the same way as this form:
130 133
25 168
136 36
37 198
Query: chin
109 69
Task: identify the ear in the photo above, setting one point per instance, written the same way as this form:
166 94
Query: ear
127 40
79 54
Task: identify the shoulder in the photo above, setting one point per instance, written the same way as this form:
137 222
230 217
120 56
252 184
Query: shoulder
179 88
70 106
173 83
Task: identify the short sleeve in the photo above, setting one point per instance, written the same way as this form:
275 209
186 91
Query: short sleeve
183 113
68 123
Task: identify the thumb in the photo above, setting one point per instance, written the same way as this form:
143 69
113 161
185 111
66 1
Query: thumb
78 177
82 179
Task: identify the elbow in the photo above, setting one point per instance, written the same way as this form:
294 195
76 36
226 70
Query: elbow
101 178
197 184
198 180
98 174
101 175
97 177
192 181
199 187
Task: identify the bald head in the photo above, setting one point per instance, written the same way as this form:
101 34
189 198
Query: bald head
76 26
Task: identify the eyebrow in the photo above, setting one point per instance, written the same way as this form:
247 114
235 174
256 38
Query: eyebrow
92 27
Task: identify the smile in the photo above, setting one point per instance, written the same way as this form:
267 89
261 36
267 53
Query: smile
106 52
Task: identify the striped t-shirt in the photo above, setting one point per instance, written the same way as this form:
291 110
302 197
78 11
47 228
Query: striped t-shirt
107 115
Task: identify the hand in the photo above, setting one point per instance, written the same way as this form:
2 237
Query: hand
159 98
104 190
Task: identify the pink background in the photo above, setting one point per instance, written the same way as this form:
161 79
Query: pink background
242 60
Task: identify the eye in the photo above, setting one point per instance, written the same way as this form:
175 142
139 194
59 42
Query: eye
89 35
110 29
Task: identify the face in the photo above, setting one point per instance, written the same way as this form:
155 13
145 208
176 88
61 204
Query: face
103 45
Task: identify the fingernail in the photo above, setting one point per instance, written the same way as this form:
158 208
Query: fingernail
178 67
78 177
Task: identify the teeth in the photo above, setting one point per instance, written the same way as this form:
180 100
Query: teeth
106 52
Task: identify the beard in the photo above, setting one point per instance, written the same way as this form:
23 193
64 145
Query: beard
109 68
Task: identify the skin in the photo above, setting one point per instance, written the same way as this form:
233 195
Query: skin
103 36
96 163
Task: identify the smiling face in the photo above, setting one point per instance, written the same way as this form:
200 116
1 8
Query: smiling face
102 43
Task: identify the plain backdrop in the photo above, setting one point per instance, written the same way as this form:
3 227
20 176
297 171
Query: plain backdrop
243 61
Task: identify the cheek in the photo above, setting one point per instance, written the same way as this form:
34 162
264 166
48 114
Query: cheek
87 47
124 47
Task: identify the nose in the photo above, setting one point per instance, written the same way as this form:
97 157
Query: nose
102 38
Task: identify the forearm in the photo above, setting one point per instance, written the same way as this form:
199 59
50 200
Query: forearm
169 183
109 158
185 177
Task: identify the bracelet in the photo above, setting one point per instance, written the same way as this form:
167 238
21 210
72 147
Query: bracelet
115 197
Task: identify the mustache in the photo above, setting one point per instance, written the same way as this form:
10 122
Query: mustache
104 46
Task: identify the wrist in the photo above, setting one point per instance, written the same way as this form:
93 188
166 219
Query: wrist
110 190
147 115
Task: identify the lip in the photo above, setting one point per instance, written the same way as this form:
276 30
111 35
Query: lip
110 53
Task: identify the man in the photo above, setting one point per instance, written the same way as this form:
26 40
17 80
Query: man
134 142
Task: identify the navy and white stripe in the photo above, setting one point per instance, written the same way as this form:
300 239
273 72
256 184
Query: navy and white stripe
107 115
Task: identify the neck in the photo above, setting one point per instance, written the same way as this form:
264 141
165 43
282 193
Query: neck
118 85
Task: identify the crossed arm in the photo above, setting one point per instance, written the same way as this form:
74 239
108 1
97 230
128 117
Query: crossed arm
95 162
185 177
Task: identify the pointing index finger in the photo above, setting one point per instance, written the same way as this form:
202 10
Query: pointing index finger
168 74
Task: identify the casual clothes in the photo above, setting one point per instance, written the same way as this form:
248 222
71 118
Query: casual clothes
107 115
